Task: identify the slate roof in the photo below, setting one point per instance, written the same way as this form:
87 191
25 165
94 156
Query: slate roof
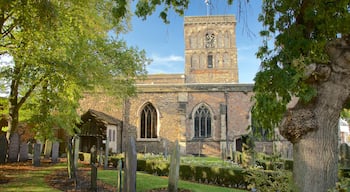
100 117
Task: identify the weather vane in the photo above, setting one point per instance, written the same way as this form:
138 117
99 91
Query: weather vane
207 2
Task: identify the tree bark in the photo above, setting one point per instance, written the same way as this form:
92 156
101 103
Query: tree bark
313 127
316 154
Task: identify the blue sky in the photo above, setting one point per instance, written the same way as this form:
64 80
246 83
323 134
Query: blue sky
164 43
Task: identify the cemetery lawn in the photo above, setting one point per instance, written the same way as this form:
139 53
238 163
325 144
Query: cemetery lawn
146 182
21 177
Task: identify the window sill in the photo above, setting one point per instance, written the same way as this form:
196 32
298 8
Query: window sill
197 139
148 139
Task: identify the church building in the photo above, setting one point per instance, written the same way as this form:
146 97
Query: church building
206 109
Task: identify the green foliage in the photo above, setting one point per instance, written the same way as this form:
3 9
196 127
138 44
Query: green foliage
295 35
267 181
343 185
5 129
60 50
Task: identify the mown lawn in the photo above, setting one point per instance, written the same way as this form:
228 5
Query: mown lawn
27 179
145 182
32 179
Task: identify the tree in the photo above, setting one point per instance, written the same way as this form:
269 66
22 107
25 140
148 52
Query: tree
308 62
59 50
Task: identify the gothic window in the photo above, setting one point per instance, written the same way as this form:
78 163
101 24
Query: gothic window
202 122
148 122
210 61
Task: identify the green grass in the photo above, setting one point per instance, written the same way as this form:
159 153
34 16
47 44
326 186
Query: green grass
145 182
29 180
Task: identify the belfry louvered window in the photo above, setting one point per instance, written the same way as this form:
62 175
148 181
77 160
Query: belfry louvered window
148 122
202 123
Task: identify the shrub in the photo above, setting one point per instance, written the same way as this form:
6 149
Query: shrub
157 167
269 181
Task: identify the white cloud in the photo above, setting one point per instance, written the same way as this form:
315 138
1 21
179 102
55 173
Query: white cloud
166 64
167 59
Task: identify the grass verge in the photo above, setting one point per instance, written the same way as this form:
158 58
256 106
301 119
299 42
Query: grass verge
28 180
146 182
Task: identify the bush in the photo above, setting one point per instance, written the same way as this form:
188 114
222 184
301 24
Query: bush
267 181
157 167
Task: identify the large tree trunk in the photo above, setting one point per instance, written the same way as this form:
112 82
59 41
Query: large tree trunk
316 153
313 127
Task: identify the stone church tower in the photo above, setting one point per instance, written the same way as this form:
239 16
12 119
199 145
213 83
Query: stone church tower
210 49
205 109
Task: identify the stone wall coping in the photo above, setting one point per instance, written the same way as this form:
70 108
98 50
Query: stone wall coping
195 87
213 19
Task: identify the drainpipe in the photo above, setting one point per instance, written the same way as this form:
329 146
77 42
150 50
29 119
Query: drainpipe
226 122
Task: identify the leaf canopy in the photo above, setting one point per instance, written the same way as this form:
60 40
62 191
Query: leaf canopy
295 37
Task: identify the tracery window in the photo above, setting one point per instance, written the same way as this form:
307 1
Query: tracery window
210 61
148 122
202 122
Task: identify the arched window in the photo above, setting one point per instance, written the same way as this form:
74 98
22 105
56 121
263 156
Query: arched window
202 122
148 122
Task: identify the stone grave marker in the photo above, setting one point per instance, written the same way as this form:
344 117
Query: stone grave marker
120 170
36 155
55 151
76 151
165 146
13 148
130 166
3 148
47 149
23 152
174 169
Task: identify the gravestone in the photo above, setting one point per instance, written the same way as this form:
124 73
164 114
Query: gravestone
36 155
55 151
48 149
130 166
13 148
165 146
23 152
3 148
120 170
76 151
174 169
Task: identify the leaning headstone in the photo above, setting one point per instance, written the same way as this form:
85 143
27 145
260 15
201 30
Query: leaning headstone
119 182
3 148
174 169
23 152
13 148
55 151
47 149
76 151
36 155
130 166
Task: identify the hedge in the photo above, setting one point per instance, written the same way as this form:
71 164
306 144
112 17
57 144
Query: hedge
220 176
